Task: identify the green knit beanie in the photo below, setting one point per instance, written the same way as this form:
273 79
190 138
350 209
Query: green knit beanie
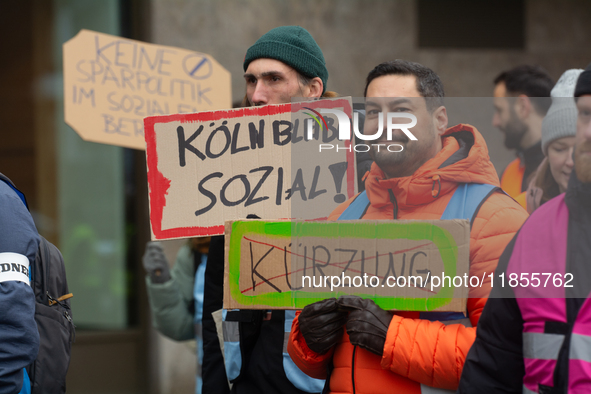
294 46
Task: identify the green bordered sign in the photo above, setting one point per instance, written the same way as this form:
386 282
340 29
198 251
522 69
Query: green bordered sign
401 265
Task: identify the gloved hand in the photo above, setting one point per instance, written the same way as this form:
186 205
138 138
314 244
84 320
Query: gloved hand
367 324
321 324
155 263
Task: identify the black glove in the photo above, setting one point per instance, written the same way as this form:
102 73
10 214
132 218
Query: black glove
155 263
321 324
367 324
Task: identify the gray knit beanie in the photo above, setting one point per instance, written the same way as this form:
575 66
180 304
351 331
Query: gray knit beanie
561 119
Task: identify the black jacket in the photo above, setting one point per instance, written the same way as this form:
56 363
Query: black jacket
261 340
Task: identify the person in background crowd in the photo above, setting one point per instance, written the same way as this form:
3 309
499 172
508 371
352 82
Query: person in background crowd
176 296
410 352
520 105
19 337
558 139
535 337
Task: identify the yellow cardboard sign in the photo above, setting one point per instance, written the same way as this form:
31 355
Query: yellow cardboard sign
112 83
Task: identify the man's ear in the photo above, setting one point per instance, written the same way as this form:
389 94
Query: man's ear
440 119
315 87
523 106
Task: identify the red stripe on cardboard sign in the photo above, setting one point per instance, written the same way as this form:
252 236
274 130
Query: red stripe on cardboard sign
158 184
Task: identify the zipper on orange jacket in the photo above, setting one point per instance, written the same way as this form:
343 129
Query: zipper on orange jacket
394 203
353 369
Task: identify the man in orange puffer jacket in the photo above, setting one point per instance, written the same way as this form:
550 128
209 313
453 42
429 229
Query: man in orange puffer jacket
404 352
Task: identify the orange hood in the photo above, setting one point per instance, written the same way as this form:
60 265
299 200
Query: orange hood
463 159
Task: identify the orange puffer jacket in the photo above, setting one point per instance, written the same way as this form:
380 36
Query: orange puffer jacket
420 352
512 179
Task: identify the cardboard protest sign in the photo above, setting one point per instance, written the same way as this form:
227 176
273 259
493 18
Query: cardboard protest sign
401 265
209 167
112 83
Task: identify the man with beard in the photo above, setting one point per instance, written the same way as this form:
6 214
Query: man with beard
435 177
535 337
520 105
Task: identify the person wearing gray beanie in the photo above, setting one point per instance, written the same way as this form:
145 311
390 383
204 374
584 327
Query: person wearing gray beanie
559 127
561 119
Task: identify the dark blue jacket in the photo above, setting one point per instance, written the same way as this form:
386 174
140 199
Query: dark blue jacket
19 338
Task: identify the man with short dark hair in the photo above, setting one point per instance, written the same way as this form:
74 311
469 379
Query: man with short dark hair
520 103
534 336
428 85
443 171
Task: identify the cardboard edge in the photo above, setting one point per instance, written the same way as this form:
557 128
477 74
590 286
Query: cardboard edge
457 304
228 301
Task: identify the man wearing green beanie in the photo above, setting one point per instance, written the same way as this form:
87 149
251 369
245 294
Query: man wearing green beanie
286 62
